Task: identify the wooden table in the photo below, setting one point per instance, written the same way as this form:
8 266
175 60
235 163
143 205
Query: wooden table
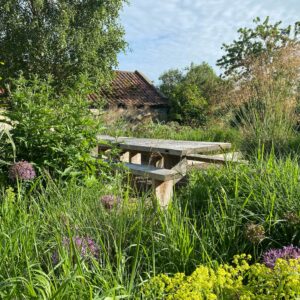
171 151
158 156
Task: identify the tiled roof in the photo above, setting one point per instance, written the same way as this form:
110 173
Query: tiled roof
132 89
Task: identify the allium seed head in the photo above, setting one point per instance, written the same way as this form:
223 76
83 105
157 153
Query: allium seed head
22 170
110 201
255 233
292 218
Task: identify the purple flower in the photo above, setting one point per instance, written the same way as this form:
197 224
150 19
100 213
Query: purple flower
110 201
84 245
22 170
288 252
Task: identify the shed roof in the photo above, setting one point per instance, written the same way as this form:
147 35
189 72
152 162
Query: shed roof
132 89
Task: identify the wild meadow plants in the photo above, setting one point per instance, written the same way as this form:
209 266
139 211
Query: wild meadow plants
174 131
64 240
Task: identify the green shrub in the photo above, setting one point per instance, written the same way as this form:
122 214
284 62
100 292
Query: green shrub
55 133
237 281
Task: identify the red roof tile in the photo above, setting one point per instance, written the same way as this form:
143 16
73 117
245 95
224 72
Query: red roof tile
132 89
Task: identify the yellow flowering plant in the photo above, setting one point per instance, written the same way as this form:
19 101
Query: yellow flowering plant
238 280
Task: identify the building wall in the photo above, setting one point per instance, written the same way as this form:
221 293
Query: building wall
136 115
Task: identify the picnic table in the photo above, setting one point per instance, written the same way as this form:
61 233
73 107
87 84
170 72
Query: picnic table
164 161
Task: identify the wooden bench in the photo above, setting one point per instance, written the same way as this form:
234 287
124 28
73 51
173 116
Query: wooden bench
163 180
222 159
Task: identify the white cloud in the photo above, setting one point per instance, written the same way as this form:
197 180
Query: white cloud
165 34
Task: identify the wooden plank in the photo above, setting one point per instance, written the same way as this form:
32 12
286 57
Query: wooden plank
217 159
153 172
168 147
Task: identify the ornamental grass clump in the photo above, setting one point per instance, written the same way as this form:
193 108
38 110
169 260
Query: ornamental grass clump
289 252
22 170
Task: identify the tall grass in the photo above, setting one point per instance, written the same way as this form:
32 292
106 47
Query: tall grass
267 98
206 223
174 131
229 201
135 241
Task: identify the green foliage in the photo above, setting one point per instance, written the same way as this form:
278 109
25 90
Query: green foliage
190 92
65 39
205 225
7 152
265 39
56 133
237 281
228 201
264 62
1 64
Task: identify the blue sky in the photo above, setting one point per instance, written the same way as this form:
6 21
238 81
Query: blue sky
164 34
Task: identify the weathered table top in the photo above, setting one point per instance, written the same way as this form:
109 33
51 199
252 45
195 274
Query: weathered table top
171 147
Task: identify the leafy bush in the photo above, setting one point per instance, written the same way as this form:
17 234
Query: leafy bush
55 133
7 147
190 92
237 281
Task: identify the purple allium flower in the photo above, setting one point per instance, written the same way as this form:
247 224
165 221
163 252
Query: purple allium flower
84 245
110 201
255 233
288 252
22 170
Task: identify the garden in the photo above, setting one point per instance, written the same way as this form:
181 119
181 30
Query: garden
72 225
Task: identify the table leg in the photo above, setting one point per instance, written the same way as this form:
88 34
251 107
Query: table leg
95 152
163 191
125 157
135 158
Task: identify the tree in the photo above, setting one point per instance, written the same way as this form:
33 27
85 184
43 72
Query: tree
190 92
264 40
264 65
67 39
